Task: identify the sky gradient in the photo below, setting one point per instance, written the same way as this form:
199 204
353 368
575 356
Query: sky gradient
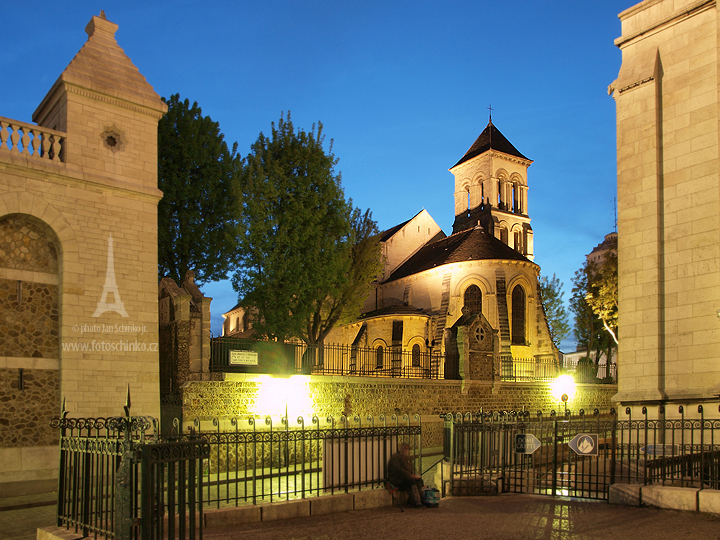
402 88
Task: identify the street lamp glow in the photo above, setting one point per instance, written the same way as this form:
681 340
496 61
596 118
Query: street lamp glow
564 385
278 396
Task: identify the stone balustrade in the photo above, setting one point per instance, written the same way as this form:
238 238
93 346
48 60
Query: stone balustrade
35 141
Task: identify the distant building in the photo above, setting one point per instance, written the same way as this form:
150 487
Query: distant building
609 245
430 279
667 100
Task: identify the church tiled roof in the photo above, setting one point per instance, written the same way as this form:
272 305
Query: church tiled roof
490 138
398 309
469 245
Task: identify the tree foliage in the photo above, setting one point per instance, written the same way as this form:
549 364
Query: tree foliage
308 257
365 264
586 325
197 216
595 304
602 295
551 296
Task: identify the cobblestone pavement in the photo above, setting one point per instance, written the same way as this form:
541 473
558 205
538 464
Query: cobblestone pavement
506 517
21 523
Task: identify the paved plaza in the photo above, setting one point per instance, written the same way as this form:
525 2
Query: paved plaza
523 517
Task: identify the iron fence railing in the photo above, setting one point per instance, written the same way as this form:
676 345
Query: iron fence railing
683 451
117 480
265 460
228 354
548 368
529 369
120 480
670 448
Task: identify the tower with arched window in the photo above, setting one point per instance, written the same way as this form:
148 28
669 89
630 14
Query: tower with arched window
479 284
491 190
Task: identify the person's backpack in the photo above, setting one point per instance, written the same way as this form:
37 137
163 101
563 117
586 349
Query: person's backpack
431 497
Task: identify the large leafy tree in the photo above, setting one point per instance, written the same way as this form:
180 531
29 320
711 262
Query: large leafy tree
602 295
365 266
594 303
586 324
551 296
307 255
197 216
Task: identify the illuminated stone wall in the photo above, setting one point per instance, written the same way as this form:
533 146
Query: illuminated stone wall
334 396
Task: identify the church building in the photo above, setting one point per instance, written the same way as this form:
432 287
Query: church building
482 275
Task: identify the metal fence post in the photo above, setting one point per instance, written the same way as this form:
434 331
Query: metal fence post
555 455
124 480
62 470
123 494
613 450
146 516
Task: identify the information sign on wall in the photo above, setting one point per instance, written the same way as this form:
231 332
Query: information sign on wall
243 358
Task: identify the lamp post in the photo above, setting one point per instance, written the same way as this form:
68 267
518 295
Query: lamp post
563 389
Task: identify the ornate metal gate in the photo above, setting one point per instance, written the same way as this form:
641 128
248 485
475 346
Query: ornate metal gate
520 453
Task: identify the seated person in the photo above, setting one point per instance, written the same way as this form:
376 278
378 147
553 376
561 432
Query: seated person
401 473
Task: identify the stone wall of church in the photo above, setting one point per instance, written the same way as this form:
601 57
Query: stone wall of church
333 396
78 257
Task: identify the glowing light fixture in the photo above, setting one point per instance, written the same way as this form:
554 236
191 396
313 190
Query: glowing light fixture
280 396
564 385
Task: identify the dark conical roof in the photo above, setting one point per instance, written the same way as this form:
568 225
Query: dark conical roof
470 245
490 139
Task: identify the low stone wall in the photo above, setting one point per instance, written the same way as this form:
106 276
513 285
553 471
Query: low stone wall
667 497
334 396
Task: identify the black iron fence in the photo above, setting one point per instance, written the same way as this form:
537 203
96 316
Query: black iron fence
268 460
523 453
673 447
529 369
239 355
228 354
119 479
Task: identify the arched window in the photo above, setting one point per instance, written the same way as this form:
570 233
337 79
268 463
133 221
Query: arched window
472 299
518 315
416 355
379 360
504 235
519 242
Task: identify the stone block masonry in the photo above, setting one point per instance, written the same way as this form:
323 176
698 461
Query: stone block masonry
334 396
78 256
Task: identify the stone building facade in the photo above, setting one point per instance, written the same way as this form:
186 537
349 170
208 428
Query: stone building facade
484 267
667 97
471 296
78 257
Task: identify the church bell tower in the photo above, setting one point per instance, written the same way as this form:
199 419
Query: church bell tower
491 191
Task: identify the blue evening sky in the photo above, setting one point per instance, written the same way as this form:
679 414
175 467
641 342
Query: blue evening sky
402 87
